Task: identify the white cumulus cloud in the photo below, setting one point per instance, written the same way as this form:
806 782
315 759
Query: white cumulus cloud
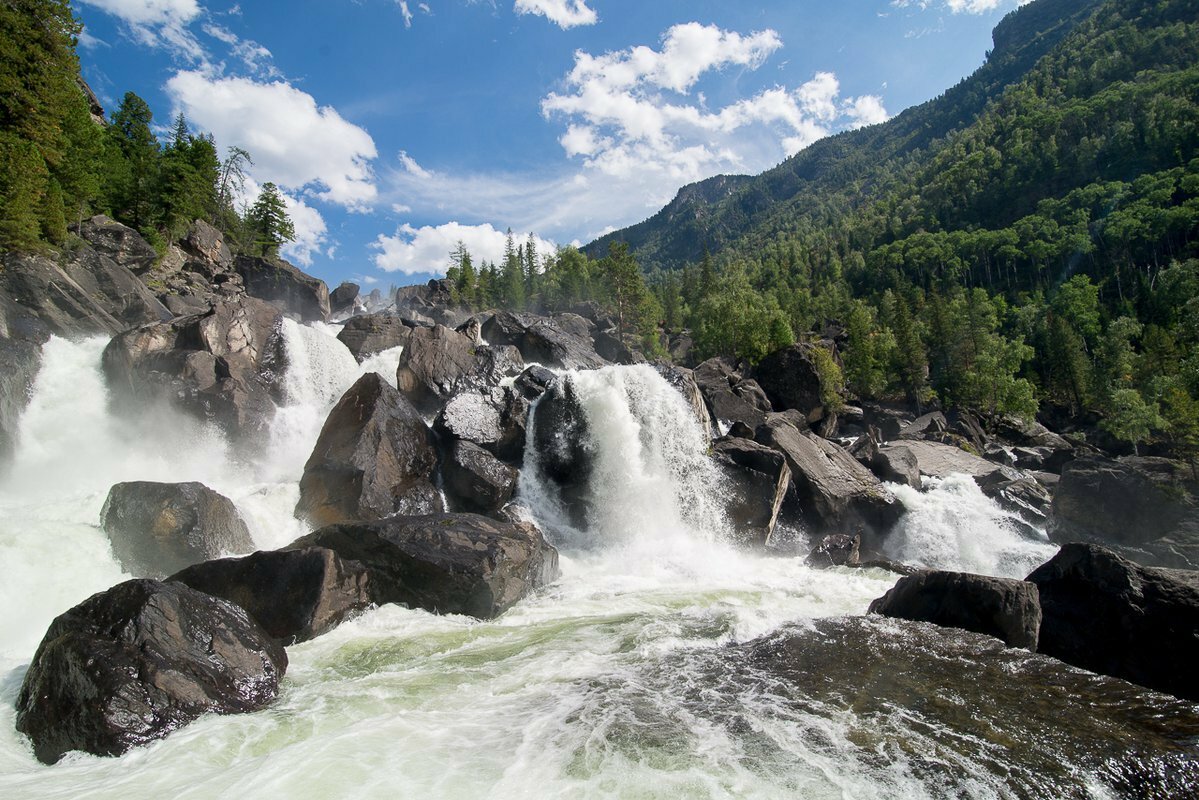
415 250
563 13
293 141
158 23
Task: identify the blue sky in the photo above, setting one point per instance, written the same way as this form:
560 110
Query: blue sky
399 128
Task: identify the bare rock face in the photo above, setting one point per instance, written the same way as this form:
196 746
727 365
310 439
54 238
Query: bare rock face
757 479
285 287
134 663
223 366
295 595
731 398
1106 614
158 528
120 243
341 299
476 480
375 457
369 334
564 340
445 563
1146 508
1001 607
835 492
433 362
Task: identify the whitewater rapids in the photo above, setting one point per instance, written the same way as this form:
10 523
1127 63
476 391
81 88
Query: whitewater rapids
587 689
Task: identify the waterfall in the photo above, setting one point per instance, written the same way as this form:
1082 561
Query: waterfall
954 526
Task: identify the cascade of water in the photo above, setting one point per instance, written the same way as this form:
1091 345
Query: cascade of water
650 478
954 526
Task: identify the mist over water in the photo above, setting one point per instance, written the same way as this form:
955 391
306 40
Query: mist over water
617 681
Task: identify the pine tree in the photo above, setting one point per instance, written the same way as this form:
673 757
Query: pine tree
268 223
131 178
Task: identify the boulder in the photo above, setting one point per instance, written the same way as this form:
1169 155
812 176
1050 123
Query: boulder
1001 607
369 334
433 362
756 483
494 419
611 347
928 426
133 663
939 460
836 550
790 379
561 439
375 457
476 480
121 244
285 287
1109 615
445 563
207 249
1146 508
295 595
341 299
224 366
896 464
730 397
683 380
563 340
493 364
159 528
1052 452
835 492
1019 493
533 382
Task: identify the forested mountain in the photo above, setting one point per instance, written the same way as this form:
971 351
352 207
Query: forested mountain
1027 239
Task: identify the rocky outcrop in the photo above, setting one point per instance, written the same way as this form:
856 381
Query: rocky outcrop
121 244
1107 614
369 334
432 364
683 380
561 440
835 492
730 397
431 304
1148 508
131 664
791 380
896 464
445 563
1001 607
159 528
295 595
836 550
757 479
476 480
939 460
1019 493
375 457
196 273
495 419
223 366
564 340
343 298
285 287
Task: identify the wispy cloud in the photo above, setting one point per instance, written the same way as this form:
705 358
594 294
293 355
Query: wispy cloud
563 13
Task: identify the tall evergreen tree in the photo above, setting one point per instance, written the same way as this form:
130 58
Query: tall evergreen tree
268 223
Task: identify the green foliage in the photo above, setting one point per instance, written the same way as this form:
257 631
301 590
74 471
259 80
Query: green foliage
132 161
268 223
1130 418
832 380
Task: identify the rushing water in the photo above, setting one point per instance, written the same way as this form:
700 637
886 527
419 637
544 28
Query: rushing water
640 673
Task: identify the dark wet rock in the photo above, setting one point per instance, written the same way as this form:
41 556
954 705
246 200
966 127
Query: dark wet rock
79 292
369 334
19 364
445 563
1052 451
790 379
888 419
476 480
342 299
835 492
683 380
1000 454
1001 607
896 464
563 340
285 287
757 479
375 457
533 382
1019 493
836 550
432 364
493 364
888 565
295 595
613 348
495 419
682 349
1148 508
223 366
134 663
730 397
159 528
561 440
1025 724
1112 616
